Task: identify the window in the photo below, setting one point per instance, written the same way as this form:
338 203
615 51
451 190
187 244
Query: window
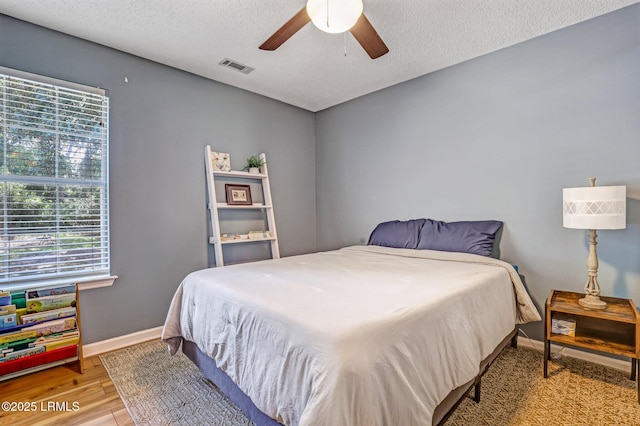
54 193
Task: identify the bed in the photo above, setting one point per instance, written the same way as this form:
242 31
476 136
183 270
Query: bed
364 335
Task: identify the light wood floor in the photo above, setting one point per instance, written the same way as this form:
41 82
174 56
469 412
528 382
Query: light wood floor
93 391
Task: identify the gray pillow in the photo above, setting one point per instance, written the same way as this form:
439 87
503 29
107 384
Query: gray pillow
476 237
397 234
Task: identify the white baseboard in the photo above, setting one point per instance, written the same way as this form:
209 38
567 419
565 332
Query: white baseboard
120 342
576 353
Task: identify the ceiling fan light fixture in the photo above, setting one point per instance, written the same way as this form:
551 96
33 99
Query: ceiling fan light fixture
334 16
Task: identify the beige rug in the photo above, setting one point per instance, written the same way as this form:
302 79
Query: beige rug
158 389
577 393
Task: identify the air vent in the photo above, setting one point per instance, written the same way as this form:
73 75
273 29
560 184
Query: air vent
226 62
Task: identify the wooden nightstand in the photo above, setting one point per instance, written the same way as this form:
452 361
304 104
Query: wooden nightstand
615 330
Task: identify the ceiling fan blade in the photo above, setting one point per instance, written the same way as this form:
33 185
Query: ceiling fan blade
283 34
368 38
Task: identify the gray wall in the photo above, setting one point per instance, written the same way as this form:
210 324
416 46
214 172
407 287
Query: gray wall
160 122
498 137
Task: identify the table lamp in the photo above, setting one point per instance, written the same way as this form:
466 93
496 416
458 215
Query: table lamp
594 207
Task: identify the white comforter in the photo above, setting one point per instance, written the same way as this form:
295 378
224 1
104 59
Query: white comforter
357 336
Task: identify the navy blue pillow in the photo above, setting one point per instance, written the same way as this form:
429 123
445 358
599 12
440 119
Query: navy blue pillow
397 234
476 237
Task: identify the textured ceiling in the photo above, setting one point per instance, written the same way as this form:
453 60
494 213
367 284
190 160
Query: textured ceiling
310 70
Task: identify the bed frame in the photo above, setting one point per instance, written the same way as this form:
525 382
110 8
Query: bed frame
442 412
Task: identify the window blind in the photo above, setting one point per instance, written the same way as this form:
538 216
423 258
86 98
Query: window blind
54 193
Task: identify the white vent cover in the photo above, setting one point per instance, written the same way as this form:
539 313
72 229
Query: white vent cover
226 62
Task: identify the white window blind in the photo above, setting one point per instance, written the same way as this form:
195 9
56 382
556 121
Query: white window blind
54 193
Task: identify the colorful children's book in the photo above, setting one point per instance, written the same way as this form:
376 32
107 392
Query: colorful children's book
18 345
5 298
57 340
18 335
55 336
24 353
47 315
47 303
8 320
50 327
7 309
53 291
18 299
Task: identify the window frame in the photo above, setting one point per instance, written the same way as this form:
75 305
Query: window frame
84 280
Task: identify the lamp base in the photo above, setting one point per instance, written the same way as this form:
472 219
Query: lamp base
592 302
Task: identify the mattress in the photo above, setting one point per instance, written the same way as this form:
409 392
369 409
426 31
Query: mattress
362 335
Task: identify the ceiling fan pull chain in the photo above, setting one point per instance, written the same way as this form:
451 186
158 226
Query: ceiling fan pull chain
327 13
345 43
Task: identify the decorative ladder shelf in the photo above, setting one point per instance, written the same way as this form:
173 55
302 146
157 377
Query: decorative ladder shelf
214 207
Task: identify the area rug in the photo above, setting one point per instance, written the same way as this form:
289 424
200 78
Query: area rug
159 389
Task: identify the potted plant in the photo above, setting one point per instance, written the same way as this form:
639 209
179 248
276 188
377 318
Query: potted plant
254 163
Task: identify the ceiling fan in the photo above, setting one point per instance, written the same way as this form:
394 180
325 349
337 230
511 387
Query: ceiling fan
332 16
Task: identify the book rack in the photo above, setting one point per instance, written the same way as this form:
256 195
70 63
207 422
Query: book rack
46 332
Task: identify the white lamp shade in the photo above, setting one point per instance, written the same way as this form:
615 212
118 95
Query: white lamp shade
595 207
342 14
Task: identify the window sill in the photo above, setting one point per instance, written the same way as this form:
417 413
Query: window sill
97 283
87 283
